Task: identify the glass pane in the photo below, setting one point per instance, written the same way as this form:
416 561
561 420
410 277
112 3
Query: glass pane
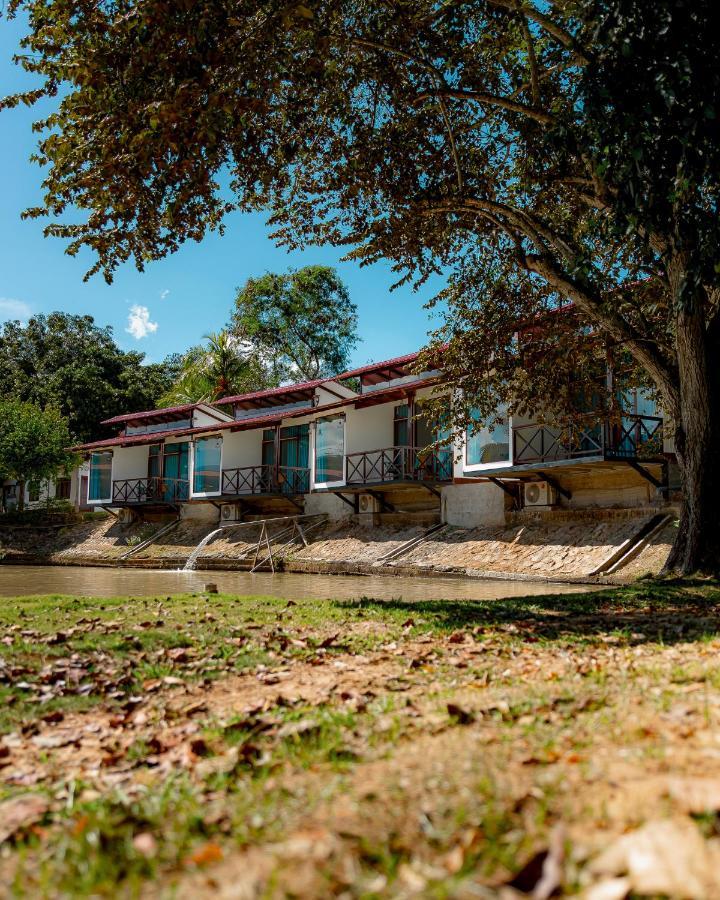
294 446
401 433
100 476
206 477
268 447
329 450
488 444
155 461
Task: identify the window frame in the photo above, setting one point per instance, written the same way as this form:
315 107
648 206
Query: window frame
97 500
481 466
218 492
329 484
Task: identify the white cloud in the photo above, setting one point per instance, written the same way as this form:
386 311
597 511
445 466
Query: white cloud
14 309
164 294
139 324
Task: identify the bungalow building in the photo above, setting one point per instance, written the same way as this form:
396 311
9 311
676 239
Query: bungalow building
71 488
357 443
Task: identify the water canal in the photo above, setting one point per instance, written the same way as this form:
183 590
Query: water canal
109 582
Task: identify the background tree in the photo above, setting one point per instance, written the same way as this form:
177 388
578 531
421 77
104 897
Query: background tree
33 444
219 368
71 362
572 147
302 324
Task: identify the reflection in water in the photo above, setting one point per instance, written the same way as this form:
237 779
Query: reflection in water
101 582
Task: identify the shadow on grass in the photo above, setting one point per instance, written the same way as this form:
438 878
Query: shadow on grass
647 611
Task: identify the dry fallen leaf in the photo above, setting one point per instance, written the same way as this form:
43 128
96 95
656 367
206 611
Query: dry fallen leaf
20 812
667 857
695 795
203 856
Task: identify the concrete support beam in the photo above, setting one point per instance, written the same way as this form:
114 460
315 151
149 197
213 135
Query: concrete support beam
473 505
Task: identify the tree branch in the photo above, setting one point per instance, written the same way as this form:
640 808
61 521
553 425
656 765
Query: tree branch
489 100
532 59
662 372
564 37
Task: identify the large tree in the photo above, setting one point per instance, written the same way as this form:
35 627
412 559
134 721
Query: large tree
71 362
303 323
33 444
564 149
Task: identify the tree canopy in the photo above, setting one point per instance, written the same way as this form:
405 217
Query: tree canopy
302 324
539 153
72 363
33 443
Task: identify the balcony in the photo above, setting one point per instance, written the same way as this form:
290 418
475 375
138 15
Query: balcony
399 464
265 479
629 438
131 491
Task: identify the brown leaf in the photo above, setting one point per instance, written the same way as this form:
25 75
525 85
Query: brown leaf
667 857
203 856
695 795
21 812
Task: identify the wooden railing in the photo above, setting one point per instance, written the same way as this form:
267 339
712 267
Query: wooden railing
635 437
265 479
150 490
399 464
629 437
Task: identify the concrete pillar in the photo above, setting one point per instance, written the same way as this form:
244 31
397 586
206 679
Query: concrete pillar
473 505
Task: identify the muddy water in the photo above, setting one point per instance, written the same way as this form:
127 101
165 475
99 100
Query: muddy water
102 582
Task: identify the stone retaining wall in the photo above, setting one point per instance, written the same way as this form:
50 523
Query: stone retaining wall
563 546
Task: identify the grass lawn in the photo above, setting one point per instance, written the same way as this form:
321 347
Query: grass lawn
246 747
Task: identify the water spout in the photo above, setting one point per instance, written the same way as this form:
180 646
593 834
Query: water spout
192 559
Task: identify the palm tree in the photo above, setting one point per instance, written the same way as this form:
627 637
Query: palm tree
219 368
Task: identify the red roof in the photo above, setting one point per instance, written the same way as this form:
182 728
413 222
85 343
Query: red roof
398 361
267 418
152 413
276 392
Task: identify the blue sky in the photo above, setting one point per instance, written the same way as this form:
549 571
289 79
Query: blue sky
178 299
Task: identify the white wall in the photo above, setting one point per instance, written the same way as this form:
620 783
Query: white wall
130 462
370 428
242 448
201 418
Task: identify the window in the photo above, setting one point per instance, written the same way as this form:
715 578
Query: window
100 488
206 474
158 426
294 446
401 430
330 450
155 461
487 445
268 447
175 484
34 492
62 489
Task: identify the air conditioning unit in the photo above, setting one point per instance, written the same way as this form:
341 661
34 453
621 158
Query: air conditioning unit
539 493
368 504
231 512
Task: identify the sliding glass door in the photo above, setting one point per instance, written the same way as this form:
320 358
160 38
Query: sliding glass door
330 451
176 471
206 466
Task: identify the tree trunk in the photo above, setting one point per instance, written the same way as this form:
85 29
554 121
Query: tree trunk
697 445
21 496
